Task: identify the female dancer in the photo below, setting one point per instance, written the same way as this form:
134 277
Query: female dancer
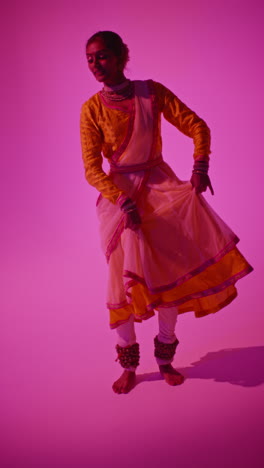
167 250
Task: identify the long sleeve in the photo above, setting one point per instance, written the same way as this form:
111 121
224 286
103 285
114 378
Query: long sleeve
179 115
91 143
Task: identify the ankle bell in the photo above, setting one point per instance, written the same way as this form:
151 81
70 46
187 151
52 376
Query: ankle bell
128 356
165 351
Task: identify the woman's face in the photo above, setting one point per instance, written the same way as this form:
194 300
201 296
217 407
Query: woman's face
103 63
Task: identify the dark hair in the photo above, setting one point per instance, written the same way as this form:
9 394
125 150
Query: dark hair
114 43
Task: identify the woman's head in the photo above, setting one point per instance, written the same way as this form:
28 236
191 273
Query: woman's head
107 56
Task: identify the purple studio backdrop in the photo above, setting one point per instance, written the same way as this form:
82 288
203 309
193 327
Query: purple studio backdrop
57 351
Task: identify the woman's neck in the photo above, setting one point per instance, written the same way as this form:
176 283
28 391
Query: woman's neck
119 80
117 87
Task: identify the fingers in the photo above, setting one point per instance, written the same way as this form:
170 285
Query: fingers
201 182
200 189
132 220
210 186
132 217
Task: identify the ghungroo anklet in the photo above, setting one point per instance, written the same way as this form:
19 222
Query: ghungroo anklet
128 356
165 351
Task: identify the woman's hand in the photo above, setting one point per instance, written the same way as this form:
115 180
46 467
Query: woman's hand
132 217
132 220
200 182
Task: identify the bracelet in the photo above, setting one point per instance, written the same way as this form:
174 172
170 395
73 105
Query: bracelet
128 206
200 167
130 210
122 199
199 172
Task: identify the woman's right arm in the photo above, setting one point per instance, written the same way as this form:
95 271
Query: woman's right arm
91 142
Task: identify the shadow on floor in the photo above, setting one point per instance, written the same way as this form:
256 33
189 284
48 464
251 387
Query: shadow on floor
237 366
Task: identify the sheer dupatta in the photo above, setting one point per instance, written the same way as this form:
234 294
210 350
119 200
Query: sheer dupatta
129 164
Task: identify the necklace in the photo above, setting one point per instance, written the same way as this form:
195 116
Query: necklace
123 85
118 92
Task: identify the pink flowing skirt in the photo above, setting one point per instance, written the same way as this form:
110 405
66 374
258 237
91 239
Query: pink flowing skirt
184 254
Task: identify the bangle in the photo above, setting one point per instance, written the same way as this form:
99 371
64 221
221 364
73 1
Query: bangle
130 210
122 199
200 167
199 164
199 172
128 206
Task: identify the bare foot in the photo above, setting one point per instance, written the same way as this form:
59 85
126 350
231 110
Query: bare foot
171 375
125 383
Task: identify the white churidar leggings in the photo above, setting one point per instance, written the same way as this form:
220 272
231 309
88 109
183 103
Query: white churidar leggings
167 318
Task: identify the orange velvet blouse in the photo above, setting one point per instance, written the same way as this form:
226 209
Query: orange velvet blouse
103 129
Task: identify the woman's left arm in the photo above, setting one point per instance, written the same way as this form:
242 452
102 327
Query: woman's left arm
189 123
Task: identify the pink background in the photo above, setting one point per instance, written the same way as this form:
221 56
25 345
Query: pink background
57 352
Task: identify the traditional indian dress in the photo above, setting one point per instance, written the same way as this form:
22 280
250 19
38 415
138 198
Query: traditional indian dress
183 253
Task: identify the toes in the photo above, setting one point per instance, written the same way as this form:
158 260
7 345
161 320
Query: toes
124 384
120 388
174 378
114 388
178 379
177 382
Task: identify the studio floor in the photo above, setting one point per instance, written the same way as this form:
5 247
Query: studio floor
57 405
